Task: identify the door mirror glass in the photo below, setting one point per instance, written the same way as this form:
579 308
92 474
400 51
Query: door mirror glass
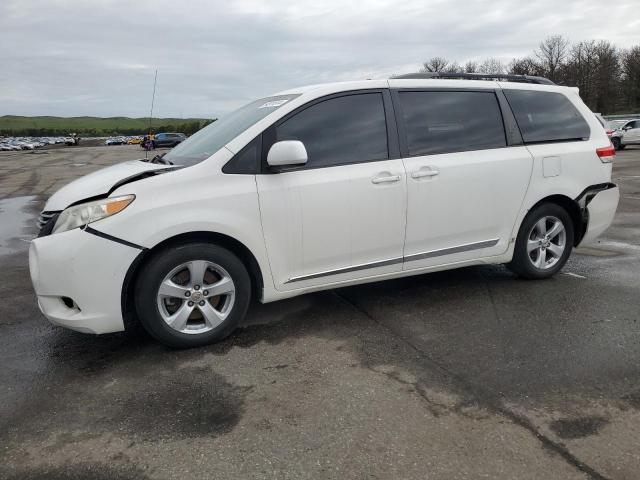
287 152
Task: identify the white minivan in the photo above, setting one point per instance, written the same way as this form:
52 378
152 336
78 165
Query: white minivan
321 187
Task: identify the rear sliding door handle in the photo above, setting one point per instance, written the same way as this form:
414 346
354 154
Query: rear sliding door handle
385 179
425 172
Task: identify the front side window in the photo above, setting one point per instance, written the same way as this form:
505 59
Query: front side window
341 130
617 124
451 121
546 116
212 138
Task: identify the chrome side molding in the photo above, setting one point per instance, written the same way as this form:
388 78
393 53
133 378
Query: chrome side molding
410 258
354 268
448 251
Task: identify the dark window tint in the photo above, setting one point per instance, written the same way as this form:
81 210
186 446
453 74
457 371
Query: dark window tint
546 116
340 130
441 122
634 124
246 160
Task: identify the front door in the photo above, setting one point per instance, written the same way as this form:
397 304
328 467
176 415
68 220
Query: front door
632 135
342 215
465 186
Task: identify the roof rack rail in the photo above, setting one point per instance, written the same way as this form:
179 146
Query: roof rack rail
478 76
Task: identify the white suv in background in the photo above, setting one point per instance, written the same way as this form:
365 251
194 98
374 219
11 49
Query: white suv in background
321 187
627 132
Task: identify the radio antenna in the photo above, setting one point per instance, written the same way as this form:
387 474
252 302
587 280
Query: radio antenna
153 98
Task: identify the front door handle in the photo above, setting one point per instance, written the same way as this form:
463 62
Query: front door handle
385 179
425 172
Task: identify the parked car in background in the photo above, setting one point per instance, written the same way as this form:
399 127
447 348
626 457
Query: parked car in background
7 147
115 141
134 141
627 132
23 145
168 139
321 187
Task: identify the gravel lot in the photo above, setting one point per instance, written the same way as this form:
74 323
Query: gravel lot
470 373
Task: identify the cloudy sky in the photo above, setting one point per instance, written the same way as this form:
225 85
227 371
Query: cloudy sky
80 57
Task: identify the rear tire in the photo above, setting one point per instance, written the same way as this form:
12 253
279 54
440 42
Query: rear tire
616 143
192 295
544 242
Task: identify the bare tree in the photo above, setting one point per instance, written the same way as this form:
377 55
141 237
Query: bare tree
607 76
608 79
580 71
435 64
492 66
525 66
453 67
551 53
471 67
630 82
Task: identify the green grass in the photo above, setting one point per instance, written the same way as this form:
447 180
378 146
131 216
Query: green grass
95 126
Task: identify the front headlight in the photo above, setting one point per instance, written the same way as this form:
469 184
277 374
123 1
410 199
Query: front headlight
85 213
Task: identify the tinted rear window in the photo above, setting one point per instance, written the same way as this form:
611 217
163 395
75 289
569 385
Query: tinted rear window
450 121
546 116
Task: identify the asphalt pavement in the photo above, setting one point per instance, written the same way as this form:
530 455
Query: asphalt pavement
465 374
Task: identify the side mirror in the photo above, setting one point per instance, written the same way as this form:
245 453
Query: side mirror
287 152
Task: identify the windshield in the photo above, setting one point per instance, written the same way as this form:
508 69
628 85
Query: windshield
616 124
212 138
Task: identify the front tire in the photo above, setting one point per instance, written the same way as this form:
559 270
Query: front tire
544 242
192 295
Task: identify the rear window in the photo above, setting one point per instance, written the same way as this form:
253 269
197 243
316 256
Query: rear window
451 121
546 116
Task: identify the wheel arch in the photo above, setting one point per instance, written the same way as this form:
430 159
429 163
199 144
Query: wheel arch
235 246
573 209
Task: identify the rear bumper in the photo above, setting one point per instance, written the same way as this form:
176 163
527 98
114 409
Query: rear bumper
78 278
600 210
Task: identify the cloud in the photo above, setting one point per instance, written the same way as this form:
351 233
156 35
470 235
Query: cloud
72 57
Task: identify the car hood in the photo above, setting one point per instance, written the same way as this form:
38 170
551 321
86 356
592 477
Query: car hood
101 182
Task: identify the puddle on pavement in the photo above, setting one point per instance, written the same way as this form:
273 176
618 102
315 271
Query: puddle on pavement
17 223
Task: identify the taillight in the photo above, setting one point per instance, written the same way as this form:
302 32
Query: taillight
606 154
609 133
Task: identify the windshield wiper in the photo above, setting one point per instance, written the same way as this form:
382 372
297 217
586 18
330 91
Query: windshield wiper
160 159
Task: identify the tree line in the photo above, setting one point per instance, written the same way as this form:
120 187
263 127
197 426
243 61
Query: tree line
608 77
188 128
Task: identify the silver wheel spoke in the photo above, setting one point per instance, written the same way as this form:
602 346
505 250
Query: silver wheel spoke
211 316
555 230
179 319
223 287
197 270
556 250
170 289
177 302
541 227
546 246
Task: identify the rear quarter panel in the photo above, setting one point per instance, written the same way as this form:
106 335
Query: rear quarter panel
564 168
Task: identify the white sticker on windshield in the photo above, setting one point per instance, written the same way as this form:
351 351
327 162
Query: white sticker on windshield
275 103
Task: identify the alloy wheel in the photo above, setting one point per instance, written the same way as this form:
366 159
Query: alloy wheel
196 297
546 242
